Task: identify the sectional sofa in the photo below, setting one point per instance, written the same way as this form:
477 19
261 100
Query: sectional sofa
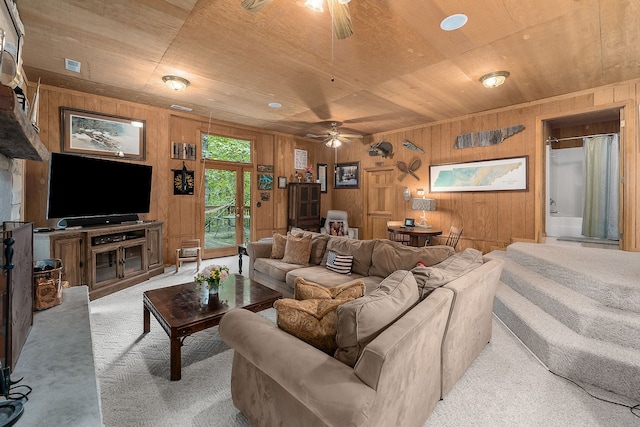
400 375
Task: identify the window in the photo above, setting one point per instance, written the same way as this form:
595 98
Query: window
226 149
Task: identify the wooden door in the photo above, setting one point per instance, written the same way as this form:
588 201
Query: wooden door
378 201
69 249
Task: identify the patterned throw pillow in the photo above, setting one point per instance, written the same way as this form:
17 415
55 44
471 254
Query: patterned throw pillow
308 290
312 320
336 228
297 250
277 248
339 263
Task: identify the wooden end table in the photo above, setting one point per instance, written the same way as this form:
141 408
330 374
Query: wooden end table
180 313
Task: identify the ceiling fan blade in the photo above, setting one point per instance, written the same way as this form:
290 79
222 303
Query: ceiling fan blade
343 139
351 135
341 18
255 5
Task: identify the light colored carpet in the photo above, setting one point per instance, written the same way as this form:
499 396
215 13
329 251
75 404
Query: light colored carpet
506 386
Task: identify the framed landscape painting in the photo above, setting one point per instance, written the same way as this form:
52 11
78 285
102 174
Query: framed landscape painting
86 132
483 175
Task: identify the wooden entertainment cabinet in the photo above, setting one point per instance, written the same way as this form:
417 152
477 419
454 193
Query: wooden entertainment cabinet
106 258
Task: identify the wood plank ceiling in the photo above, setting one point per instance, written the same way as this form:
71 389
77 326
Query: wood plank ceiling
399 69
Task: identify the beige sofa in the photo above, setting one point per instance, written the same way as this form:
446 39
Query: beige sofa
373 261
398 378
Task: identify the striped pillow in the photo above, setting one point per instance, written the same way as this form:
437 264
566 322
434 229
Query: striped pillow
339 263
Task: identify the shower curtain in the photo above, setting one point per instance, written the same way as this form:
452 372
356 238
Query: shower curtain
602 187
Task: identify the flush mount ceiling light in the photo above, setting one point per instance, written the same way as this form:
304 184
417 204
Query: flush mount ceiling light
454 22
494 79
315 5
175 83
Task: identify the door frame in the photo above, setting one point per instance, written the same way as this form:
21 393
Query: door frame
239 169
543 132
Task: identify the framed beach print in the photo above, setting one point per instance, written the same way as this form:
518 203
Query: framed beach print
347 175
86 132
484 175
322 176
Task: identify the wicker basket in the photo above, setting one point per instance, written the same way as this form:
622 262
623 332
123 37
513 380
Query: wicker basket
47 282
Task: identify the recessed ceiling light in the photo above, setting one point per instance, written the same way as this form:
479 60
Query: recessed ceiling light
275 105
494 79
454 22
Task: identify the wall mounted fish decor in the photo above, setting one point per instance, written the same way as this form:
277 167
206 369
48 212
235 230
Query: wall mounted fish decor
382 148
411 146
486 138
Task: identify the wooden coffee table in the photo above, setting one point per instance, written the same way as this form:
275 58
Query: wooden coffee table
180 313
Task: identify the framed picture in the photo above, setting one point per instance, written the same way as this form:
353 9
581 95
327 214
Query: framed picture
85 132
265 181
322 176
282 182
184 151
484 175
347 175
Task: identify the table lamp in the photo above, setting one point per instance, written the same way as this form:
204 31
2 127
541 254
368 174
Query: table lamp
423 205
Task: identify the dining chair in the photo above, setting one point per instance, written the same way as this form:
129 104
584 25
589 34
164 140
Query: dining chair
454 236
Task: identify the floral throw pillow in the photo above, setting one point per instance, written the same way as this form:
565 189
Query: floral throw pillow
336 228
303 289
312 320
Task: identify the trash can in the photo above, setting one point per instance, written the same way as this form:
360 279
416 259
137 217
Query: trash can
47 282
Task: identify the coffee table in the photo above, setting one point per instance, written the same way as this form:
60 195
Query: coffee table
180 313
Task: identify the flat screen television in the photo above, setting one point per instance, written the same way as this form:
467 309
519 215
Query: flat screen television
82 186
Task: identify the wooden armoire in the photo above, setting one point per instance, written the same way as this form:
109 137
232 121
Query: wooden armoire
304 206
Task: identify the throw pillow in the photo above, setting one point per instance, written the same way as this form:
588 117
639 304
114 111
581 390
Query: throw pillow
430 278
277 248
339 263
303 290
297 249
363 319
336 228
311 320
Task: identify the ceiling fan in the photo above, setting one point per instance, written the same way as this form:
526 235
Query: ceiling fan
333 138
340 17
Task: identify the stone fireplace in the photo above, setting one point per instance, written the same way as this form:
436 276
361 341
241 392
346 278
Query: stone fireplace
11 189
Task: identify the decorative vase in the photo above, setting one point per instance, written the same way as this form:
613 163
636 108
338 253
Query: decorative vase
214 285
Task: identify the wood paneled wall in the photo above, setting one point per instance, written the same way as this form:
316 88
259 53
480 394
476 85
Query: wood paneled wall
495 219
181 214
490 220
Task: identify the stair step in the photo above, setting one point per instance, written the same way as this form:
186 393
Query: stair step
580 313
611 277
602 364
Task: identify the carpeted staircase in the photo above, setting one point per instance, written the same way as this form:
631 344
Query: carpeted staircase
577 309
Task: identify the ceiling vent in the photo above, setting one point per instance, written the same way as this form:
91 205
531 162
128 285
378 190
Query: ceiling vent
72 65
181 108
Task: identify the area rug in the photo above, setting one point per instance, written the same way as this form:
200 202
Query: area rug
505 386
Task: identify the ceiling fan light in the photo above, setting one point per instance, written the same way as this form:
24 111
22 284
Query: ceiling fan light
315 5
333 143
494 79
175 83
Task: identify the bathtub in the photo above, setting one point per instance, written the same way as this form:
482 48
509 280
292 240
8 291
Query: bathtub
559 225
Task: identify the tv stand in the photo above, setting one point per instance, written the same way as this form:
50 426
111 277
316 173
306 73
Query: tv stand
88 221
106 258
